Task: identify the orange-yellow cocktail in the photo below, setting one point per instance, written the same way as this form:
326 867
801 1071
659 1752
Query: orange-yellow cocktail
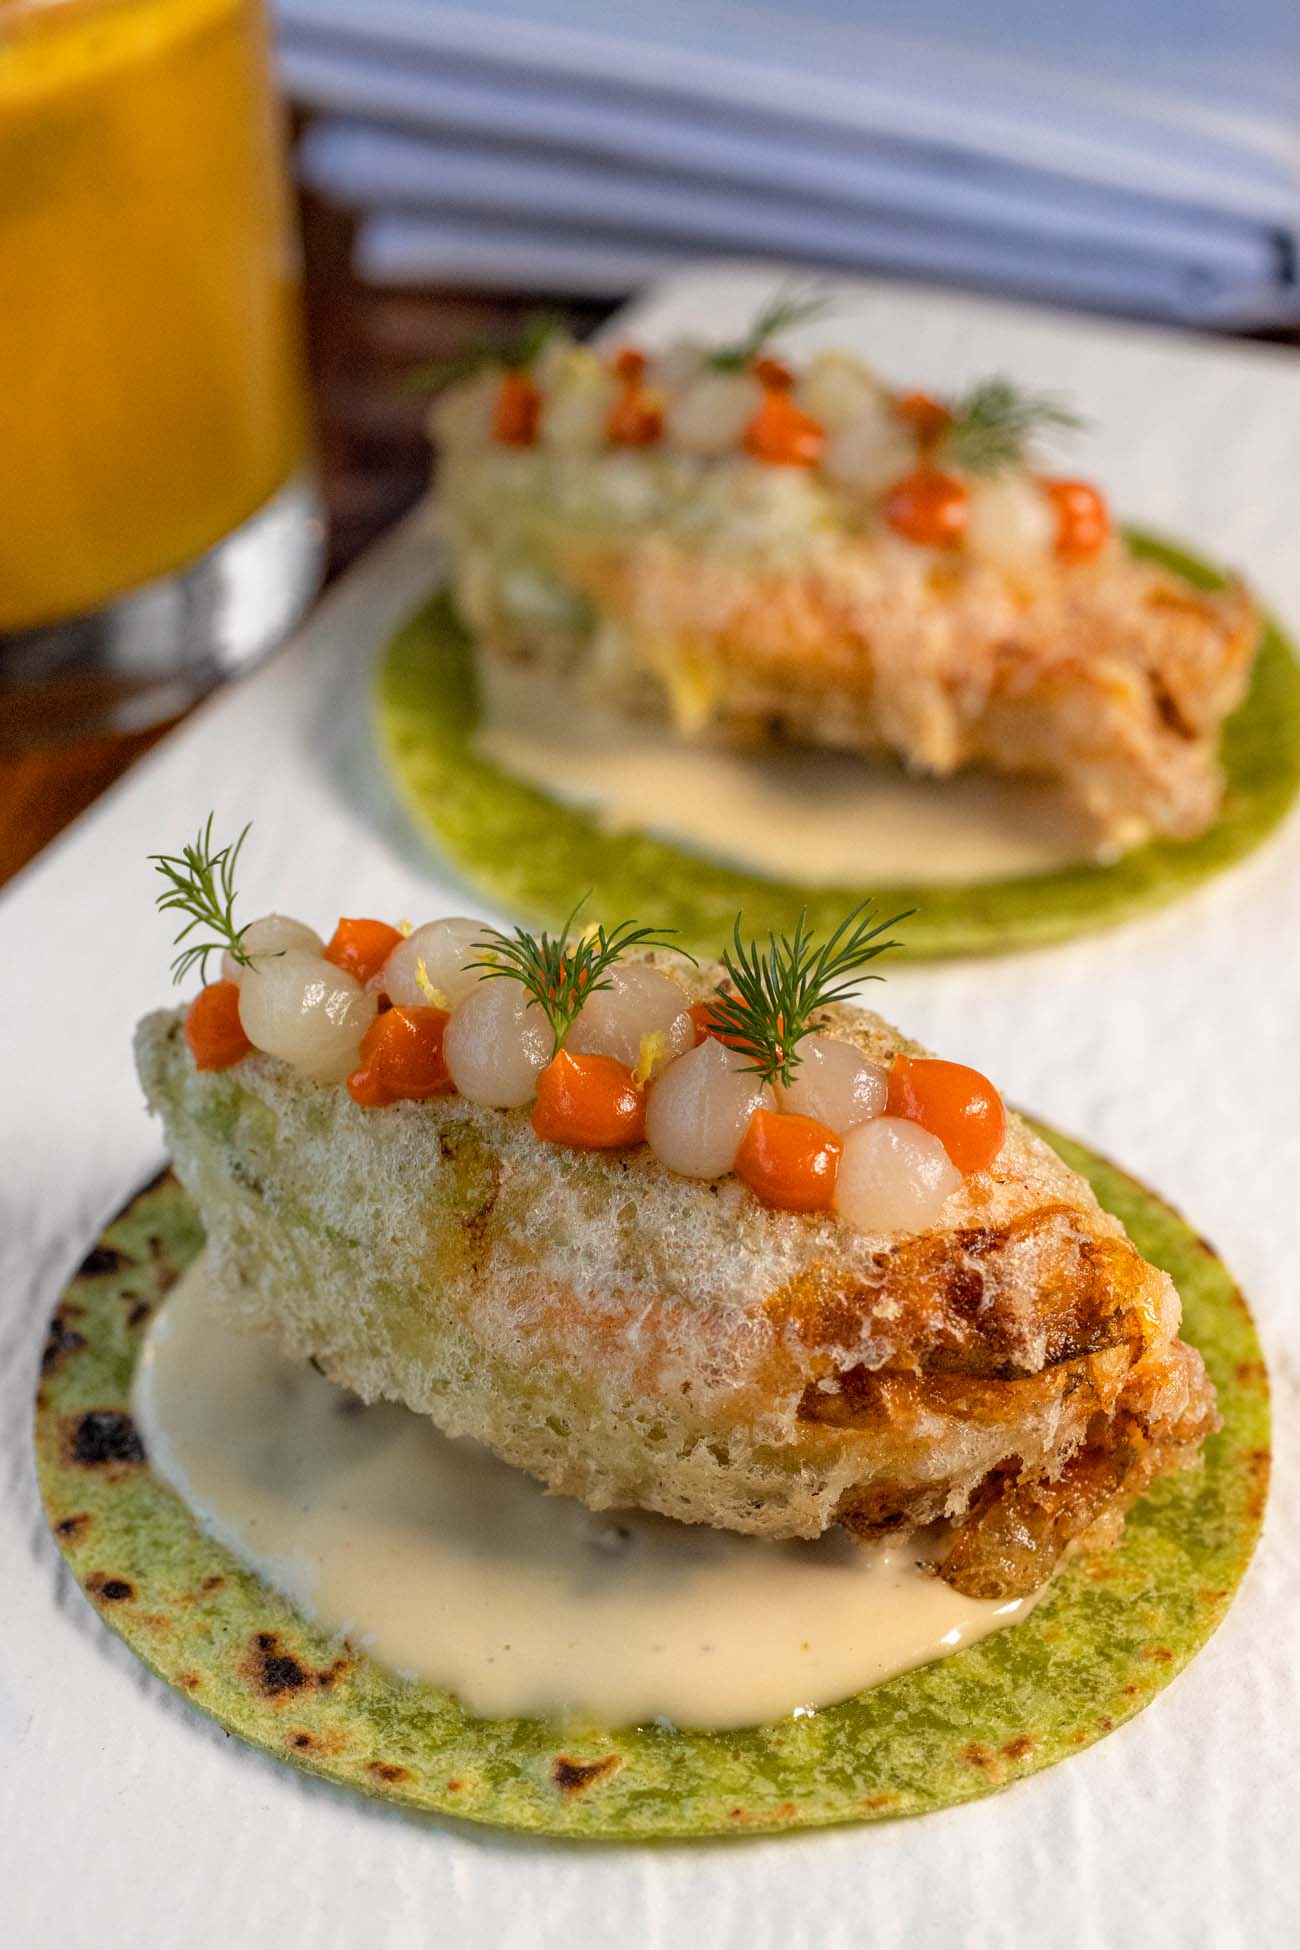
151 398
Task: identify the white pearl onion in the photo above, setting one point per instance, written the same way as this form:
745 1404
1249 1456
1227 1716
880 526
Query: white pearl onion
495 1044
557 356
462 416
576 407
675 367
307 1012
639 1002
710 414
444 947
273 934
835 387
835 1083
1010 523
698 1111
893 1177
869 452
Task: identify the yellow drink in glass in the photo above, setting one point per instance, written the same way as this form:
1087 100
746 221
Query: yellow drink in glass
151 395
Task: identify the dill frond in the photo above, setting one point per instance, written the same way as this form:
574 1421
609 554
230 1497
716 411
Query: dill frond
513 354
788 306
560 971
778 991
997 423
201 883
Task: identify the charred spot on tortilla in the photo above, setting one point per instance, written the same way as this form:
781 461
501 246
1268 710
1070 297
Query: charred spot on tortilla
104 1437
276 1672
113 1591
575 1776
272 1670
60 1342
99 1260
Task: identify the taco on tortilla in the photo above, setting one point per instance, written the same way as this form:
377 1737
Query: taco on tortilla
713 1243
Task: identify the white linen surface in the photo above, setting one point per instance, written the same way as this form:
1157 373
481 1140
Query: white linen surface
443 211
126 1818
1139 159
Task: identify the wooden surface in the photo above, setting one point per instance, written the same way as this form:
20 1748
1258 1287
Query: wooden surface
374 465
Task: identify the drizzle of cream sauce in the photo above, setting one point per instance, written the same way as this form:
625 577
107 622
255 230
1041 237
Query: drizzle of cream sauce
817 817
450 1566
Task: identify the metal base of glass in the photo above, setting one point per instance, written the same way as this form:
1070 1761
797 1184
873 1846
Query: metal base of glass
155 650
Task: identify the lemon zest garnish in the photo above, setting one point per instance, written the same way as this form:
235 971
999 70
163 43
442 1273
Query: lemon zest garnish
405 929
654 1047
431 993
691 684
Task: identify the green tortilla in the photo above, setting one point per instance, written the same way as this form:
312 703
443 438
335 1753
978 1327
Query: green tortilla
532 854
1109 1634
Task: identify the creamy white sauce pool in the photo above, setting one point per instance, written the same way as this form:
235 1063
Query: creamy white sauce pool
823 818
452 1567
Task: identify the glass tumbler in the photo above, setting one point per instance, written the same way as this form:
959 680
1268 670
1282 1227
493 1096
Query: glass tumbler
159 526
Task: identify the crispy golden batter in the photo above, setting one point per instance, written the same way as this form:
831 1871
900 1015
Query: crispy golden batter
754 609
635 1338
1113 679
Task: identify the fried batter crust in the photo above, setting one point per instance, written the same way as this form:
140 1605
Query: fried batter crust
1112 677
635 1338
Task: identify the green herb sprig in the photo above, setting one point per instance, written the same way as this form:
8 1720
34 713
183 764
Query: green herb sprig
778 992
201 883
996 423
789 306
560 971
515 354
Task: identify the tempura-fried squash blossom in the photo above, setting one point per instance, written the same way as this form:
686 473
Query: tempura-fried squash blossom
767 551
712 1241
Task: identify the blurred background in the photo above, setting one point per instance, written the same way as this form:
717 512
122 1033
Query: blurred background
1139 156
452 166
